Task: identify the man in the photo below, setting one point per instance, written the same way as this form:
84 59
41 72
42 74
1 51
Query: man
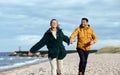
86 37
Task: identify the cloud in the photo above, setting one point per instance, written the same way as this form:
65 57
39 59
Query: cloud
23 41
104 43
28 39
23 20
18 2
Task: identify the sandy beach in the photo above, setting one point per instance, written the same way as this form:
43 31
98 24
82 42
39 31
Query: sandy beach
98 64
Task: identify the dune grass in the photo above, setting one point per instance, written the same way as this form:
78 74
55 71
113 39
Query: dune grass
109 49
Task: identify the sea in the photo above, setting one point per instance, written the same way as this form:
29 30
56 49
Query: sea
8 62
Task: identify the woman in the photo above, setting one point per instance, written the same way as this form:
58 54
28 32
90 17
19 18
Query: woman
86 37
53 38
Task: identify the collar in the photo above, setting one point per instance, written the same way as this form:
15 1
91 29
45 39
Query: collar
49 30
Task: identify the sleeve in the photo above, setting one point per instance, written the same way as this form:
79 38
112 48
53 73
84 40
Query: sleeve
66 38
39 44
75 33
94 36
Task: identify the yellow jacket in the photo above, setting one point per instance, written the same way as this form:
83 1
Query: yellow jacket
84 36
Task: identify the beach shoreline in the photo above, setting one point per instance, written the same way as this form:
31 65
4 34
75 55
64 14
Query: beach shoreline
98 64
23 66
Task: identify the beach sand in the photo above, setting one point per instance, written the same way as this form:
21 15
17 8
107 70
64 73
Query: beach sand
98 64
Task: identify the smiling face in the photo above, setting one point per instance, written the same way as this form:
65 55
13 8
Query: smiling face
84 23
54 24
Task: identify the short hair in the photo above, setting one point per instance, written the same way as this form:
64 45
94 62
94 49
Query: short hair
85 19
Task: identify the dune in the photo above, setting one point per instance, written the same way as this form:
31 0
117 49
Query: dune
109 49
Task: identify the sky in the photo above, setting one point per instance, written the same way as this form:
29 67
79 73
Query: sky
24 22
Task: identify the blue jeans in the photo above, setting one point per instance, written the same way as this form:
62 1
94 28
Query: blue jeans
83 55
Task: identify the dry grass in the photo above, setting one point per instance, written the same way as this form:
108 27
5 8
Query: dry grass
109 49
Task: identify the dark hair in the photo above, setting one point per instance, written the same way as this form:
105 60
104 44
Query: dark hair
54 20
85 19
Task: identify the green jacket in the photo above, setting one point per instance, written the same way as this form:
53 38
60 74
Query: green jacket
55 47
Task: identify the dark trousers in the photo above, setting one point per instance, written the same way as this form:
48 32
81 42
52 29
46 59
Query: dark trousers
83 59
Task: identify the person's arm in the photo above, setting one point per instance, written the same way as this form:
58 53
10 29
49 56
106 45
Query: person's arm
94 38
66 38
39 45
73 35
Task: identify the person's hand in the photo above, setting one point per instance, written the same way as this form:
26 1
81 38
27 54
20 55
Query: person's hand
29 53
71 41
92 42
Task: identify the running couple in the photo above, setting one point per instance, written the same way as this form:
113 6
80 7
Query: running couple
53 39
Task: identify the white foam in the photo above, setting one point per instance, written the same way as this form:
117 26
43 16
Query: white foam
23 63
11 58
2 58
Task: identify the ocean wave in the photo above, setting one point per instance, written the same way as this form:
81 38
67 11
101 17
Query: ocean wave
22 63
2 58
